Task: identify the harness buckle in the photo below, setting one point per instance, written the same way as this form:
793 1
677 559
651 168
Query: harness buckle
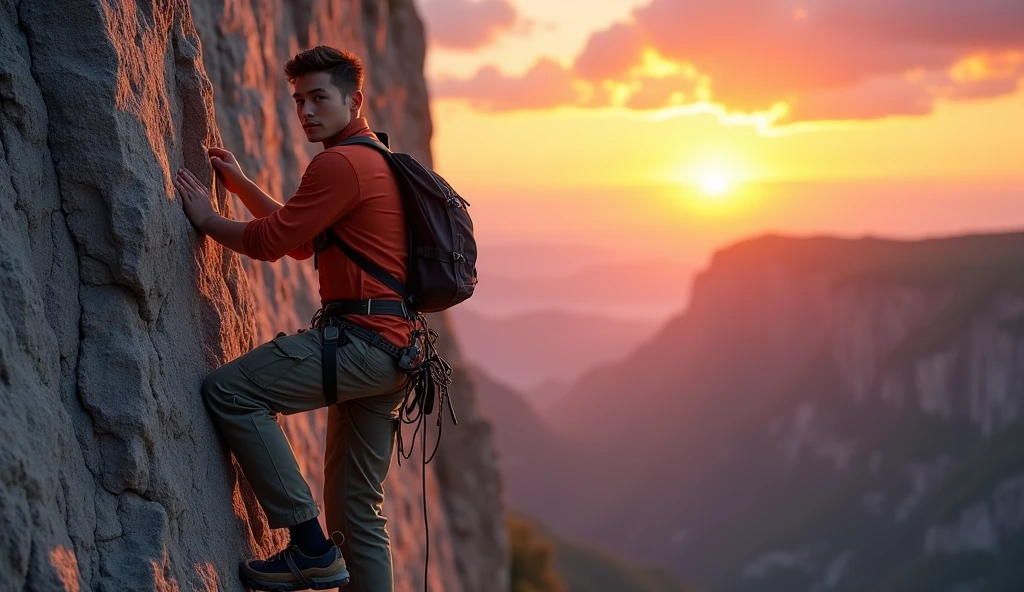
331 334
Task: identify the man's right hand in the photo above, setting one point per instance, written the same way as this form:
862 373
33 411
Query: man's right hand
225 164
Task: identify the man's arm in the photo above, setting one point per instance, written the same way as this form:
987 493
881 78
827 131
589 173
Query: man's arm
328 190
252 196
230 173
256 200
262 205
225 231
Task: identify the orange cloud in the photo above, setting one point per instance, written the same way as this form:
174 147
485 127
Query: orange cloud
465 25
823 59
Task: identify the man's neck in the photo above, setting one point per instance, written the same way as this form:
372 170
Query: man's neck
347 131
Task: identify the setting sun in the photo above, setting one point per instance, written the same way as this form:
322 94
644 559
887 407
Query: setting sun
715 185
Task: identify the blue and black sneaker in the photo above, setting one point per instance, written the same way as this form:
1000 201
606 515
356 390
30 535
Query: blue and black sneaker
289 569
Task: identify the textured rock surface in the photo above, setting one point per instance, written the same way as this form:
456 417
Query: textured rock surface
112 309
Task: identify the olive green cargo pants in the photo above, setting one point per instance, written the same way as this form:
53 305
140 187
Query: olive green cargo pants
284 375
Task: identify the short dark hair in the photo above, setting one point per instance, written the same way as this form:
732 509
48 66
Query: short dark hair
345 68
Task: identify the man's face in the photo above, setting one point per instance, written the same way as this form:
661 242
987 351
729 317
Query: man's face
322 109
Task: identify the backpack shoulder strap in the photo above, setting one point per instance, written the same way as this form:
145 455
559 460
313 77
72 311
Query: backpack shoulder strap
358 258
365 141
378 272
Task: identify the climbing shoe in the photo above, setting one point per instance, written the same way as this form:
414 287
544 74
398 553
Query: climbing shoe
289 569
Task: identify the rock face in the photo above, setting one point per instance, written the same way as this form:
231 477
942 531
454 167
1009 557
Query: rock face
112 309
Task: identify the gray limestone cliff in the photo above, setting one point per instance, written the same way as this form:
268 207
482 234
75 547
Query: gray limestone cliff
112 309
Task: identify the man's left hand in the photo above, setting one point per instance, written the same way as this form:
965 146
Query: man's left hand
195 199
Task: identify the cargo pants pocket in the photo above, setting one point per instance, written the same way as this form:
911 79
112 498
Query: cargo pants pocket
266 364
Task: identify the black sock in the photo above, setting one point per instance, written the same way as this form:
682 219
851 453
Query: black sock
310 538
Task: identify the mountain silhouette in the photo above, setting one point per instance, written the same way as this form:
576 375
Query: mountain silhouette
527 349
645 289
841 414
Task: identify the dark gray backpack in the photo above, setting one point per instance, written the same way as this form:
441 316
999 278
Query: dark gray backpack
442 249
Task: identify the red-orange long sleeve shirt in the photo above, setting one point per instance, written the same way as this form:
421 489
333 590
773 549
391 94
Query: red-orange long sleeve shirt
352 189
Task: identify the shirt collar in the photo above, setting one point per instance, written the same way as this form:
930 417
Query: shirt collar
356 127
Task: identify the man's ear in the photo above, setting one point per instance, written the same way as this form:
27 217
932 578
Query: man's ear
355 100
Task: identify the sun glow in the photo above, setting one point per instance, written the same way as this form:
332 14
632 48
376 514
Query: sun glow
715 185
713 179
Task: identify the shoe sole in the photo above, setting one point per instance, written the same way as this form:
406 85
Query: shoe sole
319 583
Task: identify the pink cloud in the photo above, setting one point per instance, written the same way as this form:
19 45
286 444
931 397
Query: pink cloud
610 53
827 59
953 23
547 84
986 89
466 25
767 49
871 99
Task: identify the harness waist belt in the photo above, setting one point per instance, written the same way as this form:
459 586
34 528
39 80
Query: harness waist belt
396 308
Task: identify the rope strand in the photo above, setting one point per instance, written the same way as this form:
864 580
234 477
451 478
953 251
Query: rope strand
427 385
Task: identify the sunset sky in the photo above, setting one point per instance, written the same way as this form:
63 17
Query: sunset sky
674 126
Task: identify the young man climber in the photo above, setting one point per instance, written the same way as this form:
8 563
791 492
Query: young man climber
351 190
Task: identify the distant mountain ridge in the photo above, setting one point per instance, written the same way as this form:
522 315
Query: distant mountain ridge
539 259
528 349
828 414
526 445
646 289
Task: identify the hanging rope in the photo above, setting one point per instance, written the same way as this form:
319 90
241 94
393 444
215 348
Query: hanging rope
428 381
